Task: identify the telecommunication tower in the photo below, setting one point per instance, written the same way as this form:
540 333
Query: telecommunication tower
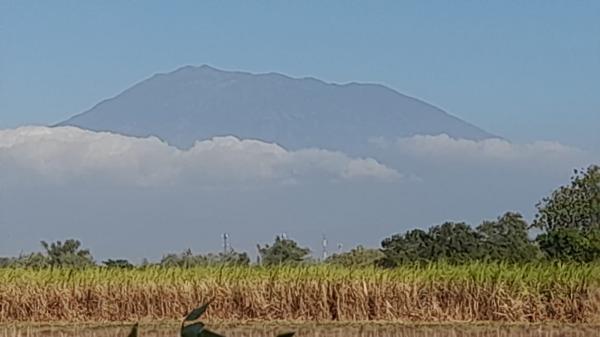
324 245
225 243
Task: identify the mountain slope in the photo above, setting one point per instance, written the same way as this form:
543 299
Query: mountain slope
194 103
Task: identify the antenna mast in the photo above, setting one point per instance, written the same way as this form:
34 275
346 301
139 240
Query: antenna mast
225 243
324 248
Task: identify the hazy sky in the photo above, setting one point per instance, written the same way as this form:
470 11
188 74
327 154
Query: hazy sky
526 70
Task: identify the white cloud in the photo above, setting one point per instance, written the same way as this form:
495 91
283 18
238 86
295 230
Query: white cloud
497 149
66 153
442 148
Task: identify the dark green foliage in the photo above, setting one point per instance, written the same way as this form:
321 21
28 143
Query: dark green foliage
570 244
67 254
357 257
414 246
570 219
503 240
574 206
455 243
506 240
119 263
450 242
283 251
188 260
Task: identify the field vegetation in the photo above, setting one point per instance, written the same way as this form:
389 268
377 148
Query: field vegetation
435 292
496 271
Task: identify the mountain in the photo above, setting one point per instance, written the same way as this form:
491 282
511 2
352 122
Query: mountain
194 103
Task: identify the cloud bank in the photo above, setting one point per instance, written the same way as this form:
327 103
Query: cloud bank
539 155
104 189
64 154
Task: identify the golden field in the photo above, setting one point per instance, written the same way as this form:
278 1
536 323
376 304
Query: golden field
435 293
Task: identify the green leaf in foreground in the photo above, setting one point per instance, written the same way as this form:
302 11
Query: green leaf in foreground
193 330
134 331
196 313
208 333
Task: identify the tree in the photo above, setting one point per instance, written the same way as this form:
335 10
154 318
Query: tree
455 243
357 257
67 254
574 206
283 251
506 239
415 246
186 260
570 219
570 244
119 263
33 260
231 258
450 242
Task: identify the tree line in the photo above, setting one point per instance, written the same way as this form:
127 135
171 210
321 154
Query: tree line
567 227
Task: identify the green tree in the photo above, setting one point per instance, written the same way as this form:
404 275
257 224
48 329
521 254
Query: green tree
570 244
185 260
450 242
574 206
415 246
231 258
67 254
283 251
506 239
357 257
119 263
33 260
570 219
455 242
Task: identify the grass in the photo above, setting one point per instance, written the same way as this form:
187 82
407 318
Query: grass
313 329
436 293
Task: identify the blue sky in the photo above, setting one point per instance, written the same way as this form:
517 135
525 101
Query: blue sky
526 70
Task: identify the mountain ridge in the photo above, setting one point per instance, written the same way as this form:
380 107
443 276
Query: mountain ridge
194 103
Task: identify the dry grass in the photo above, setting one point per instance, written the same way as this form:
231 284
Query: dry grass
313 330
437 293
